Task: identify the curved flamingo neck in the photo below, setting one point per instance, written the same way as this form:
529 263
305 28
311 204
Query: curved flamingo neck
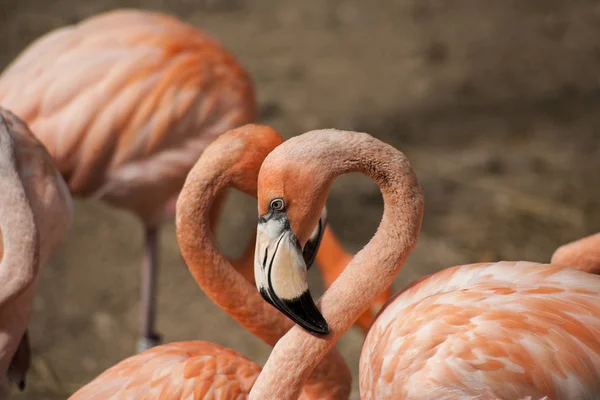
218 278
582 254
19 247
371 270
213 272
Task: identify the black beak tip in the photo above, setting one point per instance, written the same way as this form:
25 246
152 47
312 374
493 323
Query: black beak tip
322 330
316 323
21 385
303 311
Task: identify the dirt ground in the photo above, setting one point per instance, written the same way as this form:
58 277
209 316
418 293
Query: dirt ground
494 102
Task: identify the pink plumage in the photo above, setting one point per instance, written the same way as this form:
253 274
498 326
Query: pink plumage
186 370
126 102
36 211
504 329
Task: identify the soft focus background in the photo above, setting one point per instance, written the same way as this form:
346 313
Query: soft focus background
496 103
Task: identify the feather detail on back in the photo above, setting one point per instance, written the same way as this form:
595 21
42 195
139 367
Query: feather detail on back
186 370
505 330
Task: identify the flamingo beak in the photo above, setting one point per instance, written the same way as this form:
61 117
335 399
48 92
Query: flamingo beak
280 270
314 242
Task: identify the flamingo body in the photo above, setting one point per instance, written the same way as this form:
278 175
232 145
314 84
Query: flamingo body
46 190
499 330
36 211
186 370
126 102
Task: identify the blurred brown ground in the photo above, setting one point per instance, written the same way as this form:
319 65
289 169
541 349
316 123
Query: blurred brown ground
496 104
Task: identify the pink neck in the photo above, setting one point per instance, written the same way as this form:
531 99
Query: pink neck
382 258
582 254
229 290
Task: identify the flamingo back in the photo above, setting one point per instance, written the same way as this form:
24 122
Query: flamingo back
126 101
46 190
497 330
185 370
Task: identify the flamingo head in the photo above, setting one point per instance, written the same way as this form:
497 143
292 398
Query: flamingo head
291 222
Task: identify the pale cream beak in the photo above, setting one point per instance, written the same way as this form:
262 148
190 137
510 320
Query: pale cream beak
280 271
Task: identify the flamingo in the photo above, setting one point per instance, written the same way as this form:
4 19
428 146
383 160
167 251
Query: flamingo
36 211
582 254
501 330
126 101
199 369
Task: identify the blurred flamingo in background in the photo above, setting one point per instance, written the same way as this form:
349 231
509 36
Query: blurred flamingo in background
126 101
204 370
36 211
502 330
582 254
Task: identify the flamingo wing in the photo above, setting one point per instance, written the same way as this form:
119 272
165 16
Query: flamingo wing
185 370
126 101
503 330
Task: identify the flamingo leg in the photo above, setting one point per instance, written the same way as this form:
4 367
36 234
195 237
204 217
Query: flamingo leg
148 338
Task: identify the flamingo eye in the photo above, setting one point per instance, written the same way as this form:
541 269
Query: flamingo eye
277 204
